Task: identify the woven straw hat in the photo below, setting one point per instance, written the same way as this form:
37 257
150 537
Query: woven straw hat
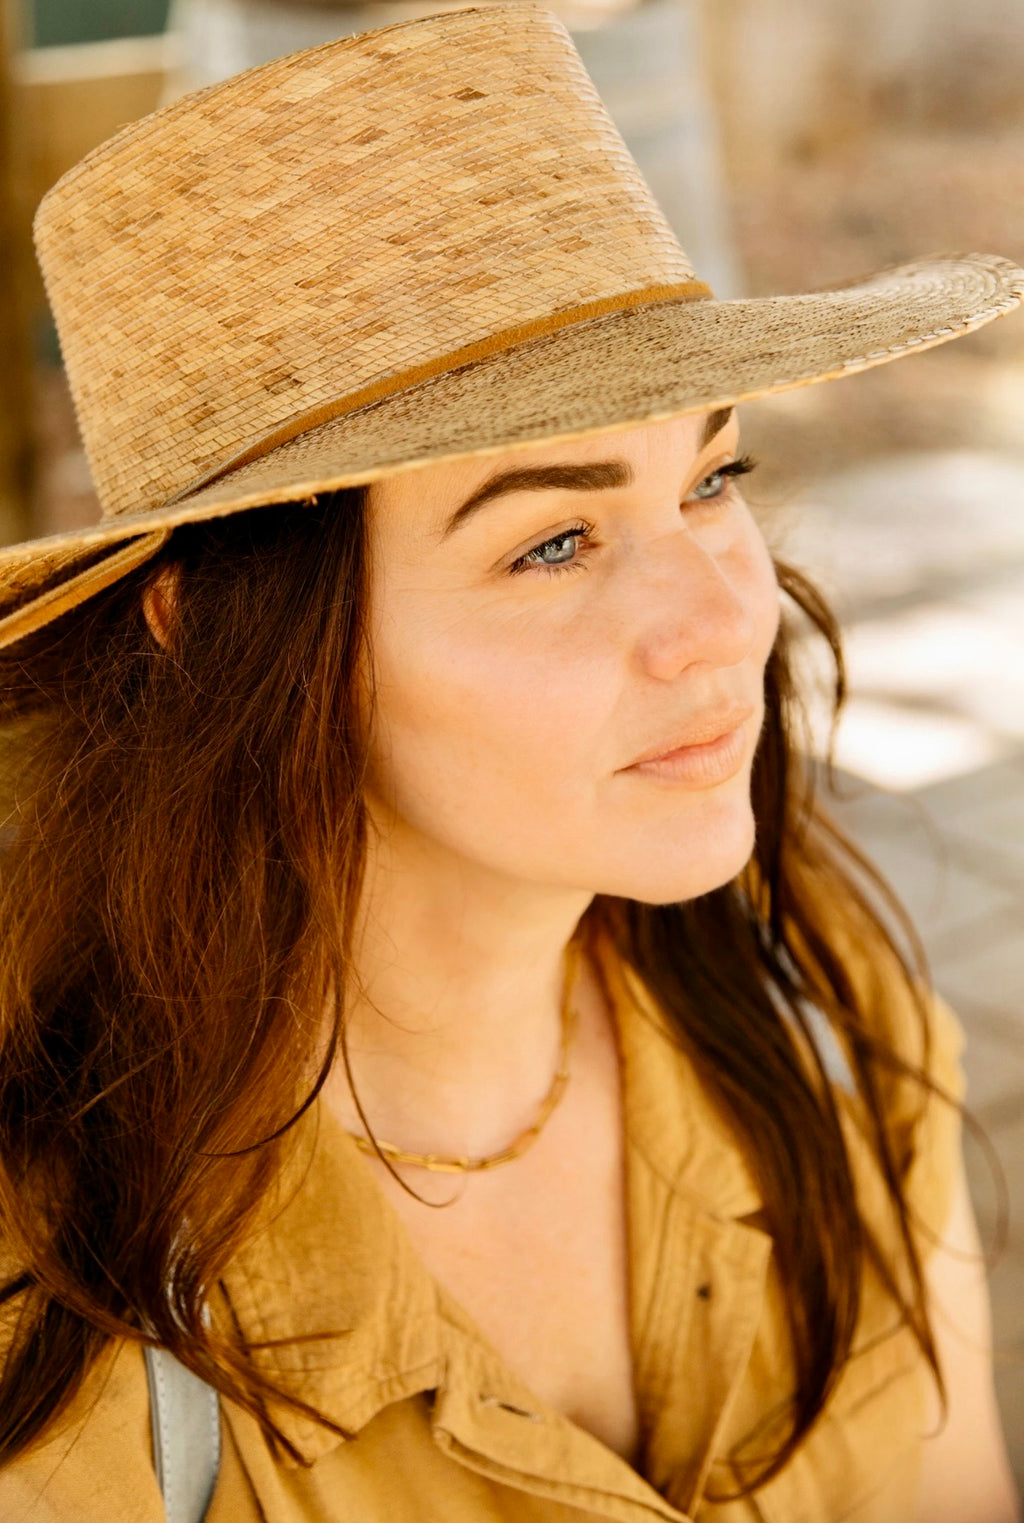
411 244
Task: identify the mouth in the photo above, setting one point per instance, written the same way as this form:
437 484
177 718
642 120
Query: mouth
706 732
702 763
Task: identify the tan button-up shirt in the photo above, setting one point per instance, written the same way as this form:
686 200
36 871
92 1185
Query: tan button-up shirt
443 1430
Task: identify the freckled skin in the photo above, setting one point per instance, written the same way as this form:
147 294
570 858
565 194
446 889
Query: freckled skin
506 708
507 705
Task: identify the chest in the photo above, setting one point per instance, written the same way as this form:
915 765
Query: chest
539 1259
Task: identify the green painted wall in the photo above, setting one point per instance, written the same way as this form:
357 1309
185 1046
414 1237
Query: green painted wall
49 23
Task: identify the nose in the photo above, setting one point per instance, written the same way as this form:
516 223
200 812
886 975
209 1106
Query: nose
688 610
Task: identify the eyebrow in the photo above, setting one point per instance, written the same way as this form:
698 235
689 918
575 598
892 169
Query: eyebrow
591 476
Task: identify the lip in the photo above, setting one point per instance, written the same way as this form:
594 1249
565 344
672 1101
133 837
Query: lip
696 767
700 736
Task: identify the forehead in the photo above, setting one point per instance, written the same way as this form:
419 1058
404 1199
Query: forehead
441 485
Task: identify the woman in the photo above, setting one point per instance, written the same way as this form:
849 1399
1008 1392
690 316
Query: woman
416 726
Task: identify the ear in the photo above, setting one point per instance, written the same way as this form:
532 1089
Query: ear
158 600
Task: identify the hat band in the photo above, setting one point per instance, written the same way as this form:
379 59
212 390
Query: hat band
506 338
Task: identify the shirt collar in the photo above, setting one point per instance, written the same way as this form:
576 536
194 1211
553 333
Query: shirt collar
333 1289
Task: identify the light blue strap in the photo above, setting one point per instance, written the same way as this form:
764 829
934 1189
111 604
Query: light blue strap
833 1058
185 1422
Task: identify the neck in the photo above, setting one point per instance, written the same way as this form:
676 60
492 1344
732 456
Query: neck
454 1012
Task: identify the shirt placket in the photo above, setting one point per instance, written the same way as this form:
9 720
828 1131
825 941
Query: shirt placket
489 1421
698 1342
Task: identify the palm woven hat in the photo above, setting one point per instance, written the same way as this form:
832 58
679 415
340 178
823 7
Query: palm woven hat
422 242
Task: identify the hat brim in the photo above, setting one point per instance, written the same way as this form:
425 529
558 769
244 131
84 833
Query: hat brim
627 368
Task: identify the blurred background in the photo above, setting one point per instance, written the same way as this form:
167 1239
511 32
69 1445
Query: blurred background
792 143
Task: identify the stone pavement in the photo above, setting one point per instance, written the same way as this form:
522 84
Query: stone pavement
923 555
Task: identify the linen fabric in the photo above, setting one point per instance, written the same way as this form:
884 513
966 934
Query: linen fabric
443 1429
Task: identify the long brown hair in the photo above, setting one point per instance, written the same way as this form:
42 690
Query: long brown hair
182 864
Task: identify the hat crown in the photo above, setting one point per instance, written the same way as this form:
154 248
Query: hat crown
299 233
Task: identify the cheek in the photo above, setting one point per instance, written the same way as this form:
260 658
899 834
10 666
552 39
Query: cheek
473 720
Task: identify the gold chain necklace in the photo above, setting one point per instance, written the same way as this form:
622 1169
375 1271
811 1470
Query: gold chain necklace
464 1165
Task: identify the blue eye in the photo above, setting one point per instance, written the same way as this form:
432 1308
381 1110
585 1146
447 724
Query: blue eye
741 467
584 532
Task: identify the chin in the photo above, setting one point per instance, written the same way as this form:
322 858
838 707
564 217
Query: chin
673 869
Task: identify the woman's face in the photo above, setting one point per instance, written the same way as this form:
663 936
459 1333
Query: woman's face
527 655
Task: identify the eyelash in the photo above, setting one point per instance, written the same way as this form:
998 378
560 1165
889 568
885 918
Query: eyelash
584 531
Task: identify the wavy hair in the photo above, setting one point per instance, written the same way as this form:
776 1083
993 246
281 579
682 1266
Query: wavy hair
182 862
